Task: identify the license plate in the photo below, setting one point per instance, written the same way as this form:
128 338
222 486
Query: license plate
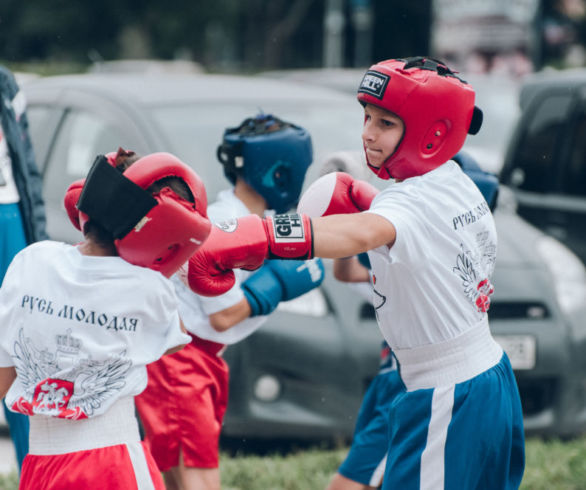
520 349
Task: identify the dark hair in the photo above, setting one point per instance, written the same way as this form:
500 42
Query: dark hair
123 160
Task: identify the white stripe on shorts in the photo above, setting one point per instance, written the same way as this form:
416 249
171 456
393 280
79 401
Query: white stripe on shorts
376 480
433 456
140 466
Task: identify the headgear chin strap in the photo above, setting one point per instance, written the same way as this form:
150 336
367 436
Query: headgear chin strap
270 155
435 105
159 231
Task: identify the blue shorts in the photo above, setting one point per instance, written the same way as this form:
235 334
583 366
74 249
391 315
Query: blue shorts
464 436
365 462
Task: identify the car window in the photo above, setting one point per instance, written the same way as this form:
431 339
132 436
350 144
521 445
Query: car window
41 130
535 160
574 182
81 137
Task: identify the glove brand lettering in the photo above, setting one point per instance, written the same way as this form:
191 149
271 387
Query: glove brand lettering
374 83
287 227
68 312
315 271
228 226
471 216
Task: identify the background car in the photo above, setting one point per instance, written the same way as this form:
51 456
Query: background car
303 374
546 161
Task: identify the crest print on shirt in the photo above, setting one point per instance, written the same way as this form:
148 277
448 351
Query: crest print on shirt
475 271
63 383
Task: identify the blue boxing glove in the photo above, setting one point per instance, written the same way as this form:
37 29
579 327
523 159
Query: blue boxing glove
281 280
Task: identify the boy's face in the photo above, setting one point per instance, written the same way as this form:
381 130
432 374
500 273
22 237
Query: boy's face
381 134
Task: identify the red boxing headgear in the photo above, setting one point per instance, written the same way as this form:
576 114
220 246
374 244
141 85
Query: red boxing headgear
435 105
160 231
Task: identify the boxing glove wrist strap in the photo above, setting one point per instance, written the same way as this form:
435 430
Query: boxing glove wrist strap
290 236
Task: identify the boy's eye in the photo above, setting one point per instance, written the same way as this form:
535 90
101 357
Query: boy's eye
387 123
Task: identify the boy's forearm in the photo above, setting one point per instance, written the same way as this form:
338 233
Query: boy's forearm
344 235
7 377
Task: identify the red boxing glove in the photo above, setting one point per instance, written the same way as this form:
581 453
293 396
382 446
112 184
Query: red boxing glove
336 193
245 243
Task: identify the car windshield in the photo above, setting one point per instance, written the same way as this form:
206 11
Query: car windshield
195 131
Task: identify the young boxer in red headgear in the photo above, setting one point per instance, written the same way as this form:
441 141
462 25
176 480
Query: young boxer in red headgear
80 323
431 243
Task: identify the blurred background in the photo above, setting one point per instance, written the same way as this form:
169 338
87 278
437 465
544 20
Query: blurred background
304 374
505 36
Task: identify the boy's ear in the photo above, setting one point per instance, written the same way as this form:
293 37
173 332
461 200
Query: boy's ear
476 122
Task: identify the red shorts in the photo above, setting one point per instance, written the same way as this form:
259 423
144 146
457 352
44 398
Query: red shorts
124 466
184 404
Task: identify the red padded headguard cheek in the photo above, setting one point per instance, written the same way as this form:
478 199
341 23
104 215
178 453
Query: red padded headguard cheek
70 202
166 237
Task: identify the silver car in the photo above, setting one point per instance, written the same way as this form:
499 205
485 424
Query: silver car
303 374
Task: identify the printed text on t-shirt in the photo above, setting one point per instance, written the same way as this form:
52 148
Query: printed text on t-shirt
109 321
470 216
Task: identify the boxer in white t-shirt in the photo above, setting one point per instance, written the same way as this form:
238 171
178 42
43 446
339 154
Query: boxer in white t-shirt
183 406
431 242
80 323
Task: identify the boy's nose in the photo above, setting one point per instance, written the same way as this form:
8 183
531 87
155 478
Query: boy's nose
367 132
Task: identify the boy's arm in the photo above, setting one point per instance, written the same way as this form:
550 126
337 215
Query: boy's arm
228 317
275 281
7 377
349 269
342 235
247 242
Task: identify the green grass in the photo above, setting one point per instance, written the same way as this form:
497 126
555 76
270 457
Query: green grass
551 465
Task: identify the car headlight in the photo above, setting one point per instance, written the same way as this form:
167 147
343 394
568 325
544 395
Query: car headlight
267 388
569 274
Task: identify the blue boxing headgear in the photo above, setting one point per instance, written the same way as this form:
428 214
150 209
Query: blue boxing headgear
270 155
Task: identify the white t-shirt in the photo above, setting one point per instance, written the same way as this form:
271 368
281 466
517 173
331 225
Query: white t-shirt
433 284
195 309
80 329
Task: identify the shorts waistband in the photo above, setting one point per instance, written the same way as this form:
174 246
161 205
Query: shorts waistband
52 435
450 362
209 346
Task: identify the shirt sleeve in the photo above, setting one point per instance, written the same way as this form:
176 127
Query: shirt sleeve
403 212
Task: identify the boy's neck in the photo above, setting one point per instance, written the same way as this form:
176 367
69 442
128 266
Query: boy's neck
255 203
88 247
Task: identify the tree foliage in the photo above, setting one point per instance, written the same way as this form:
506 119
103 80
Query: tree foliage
219 34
